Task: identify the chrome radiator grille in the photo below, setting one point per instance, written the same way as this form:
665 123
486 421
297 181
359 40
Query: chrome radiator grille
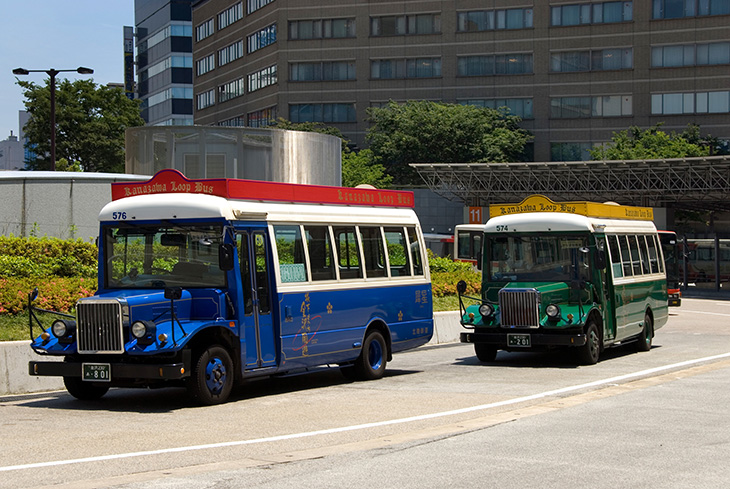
520 308
99 326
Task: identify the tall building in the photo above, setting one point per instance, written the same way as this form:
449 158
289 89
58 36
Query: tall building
164 61
576 71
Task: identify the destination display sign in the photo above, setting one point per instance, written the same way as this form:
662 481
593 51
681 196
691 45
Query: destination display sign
540 203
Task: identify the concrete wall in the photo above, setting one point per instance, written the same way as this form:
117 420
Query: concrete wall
15 355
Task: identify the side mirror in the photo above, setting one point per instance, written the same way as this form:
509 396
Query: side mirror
173 293
461 287
479 260
226 256
33 295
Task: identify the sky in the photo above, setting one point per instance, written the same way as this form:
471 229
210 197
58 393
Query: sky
58 34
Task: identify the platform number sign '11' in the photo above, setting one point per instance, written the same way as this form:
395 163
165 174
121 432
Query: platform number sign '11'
475 215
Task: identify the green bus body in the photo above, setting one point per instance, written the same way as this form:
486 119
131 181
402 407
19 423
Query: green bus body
559 280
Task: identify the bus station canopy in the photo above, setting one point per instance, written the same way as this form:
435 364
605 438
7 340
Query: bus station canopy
684 183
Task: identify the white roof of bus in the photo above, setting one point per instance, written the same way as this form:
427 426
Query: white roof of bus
198 206
560 221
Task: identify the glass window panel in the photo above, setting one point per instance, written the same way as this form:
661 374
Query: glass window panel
673 9
612 12
719 102
372 243
656 56
653 257
290 248
627 106
571 15
719 53
501 19
644 253
321 259
585 14
628 11
615 256
689 103
398 256
673 56
415 251
673 103
635 257
625 256
555 15
348 252
657 106
701 100
612 106
515 19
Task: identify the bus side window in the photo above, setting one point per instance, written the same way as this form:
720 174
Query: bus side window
654 240
415 251
372 244
246 283
645 268
348 252
292 266
635 259
625 256
320 252
395 239
653 257
615 256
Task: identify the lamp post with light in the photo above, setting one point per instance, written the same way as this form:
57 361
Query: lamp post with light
52 73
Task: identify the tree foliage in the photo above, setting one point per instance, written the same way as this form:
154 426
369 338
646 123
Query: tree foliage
90 124
652 143
434 132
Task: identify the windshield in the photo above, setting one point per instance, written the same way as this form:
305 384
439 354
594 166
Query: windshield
537 258
163 256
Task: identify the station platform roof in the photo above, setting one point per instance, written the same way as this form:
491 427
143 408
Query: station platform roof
683 183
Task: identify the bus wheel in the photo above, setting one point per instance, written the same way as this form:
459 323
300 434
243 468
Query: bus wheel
588 353
85 391
645 338
370 365
485 353
211 380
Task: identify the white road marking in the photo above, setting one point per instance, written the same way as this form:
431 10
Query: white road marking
709 313
343 429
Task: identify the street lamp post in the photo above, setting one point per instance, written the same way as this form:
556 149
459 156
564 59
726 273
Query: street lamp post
52 73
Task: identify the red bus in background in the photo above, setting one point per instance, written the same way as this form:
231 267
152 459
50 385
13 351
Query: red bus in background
468 239
670 249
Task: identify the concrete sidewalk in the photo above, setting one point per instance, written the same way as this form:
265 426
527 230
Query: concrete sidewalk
15 355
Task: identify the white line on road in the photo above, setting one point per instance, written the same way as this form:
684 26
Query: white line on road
307 434
705 312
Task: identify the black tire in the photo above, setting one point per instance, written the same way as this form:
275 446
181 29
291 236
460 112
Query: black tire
588 354
211 380
644 341
370 365
83 390
485 353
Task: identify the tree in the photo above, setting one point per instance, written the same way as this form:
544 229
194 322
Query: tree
652 143
357 167
434 132
90 124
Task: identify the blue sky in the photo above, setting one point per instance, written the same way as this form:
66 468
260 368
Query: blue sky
44 34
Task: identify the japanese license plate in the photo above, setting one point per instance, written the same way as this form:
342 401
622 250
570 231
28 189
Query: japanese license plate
98 372
521 340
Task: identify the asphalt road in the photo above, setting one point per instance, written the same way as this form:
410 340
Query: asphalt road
439 418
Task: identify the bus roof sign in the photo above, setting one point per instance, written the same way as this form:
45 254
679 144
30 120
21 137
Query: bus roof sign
540 203
170 181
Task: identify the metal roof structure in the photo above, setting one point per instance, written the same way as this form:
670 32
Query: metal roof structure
686 183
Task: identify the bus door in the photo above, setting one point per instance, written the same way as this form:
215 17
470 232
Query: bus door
259 342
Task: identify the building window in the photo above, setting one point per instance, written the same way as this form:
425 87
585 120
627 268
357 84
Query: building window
204 30
586 107
262 78
321 29
488 20
402 25
500 64
690 103
230 15
177 30
262 38
676 9
230 53
231 90
521 107
262 118
386 69
165 64
591 13
206 99
254 5
597 60
322 113
716 53
570 151
170 93
322 71
233 122
205 65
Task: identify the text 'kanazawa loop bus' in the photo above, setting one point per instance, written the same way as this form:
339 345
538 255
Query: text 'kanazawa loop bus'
575 274
203 283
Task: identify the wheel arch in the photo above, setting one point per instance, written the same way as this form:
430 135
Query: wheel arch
377 324
595 315
217 335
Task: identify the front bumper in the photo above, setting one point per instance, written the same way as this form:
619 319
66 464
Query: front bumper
675 300
499 339
119 371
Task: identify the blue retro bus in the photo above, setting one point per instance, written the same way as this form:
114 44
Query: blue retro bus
209 282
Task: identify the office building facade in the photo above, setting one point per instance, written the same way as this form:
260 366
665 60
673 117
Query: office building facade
575 71
164 61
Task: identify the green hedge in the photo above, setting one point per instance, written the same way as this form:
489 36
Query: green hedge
46 257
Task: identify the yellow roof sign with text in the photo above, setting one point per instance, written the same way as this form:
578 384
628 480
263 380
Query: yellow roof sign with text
540 203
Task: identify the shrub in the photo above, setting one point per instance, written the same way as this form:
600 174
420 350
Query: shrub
46 257
55 294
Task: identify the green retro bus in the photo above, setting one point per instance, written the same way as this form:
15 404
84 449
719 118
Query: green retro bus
578 276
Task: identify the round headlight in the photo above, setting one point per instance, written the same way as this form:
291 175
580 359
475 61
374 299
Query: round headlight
59 328
486 310
553 311
139 329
